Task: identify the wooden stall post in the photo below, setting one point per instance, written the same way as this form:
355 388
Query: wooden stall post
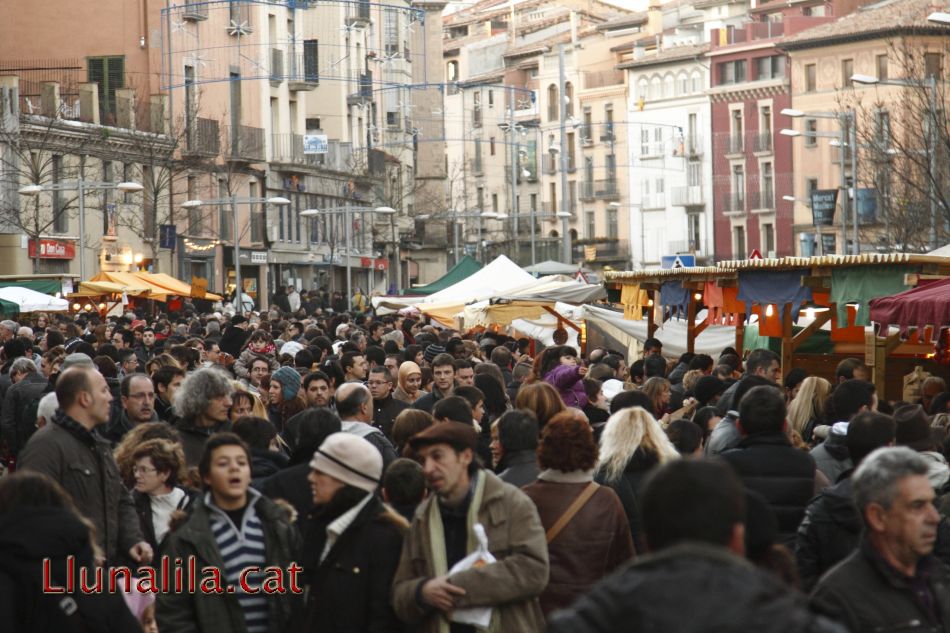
787 341
651 322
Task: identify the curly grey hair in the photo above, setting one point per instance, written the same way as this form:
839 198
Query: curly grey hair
23 365
198 388
875 480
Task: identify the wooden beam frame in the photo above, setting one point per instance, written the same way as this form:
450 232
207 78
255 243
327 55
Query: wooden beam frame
787 339
820 319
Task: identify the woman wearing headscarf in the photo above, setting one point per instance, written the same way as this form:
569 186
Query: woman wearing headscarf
410 383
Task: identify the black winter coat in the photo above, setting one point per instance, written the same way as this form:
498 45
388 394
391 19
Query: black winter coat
627 488
16 424
193 438
27 537
385 412
291 485
865 594
828 534
83 464
519 468
265 463
349 591
768 464
690 588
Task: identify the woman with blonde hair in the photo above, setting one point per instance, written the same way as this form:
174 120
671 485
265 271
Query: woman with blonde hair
807 409
632 445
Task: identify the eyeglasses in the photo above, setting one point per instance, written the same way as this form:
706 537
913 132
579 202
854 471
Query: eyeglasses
143 469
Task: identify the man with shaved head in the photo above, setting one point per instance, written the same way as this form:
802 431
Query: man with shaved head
354 404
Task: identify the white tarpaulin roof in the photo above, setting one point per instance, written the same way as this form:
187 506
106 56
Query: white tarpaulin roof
32 301
551 267
943 251
672 333
529 302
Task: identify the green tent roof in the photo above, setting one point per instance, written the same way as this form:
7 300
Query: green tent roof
466 267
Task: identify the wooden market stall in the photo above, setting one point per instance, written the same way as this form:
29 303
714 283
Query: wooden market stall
793 299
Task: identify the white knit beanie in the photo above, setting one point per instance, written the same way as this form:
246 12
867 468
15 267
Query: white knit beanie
350 459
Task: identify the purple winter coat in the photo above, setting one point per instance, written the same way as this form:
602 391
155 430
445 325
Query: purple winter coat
567 381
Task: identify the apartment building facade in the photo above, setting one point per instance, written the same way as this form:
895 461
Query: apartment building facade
890 42
264 100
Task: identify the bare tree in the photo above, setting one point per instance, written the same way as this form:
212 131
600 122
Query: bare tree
904 149
35 150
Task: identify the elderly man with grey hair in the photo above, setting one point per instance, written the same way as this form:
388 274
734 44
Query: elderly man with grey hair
8 330
18 419
46 409
892 582
202 403
354 405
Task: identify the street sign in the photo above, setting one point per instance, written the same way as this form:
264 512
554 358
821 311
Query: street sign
167 236
677 261
755 254
823 202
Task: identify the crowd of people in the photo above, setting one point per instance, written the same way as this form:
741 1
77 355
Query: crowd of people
348 472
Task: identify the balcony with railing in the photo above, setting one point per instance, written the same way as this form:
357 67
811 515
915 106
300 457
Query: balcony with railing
202 138
733 203
587 190
606 189
603 78
357 13
762 200
601 250
586 134
693 145
699 248
753 31
688 196
245 143
362 89
734 143
195 11
287 148
303 72
762 142
549 164
653 201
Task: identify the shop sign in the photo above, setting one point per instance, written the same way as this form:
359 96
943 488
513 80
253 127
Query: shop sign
53 249
258 257
375 264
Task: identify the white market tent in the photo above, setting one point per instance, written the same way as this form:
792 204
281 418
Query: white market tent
672 333
501 286
28 300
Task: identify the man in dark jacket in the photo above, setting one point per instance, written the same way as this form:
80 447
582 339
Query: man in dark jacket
892 582
514 447
849 398
767 463
761 362
354 404
385 407
138 407
232 341
202 404
68 451
28 387
693 515
832 525
443 379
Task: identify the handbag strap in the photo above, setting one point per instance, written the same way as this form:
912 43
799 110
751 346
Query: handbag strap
573 509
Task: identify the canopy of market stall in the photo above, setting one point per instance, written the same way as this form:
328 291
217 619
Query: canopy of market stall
27 300
158 286
926 305
102 288
466 267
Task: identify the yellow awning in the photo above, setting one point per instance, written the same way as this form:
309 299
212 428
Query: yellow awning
100 288
131 280
173 286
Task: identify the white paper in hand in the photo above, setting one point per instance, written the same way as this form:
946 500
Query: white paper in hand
479 617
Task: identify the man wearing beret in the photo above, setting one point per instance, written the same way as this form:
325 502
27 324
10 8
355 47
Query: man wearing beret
424 593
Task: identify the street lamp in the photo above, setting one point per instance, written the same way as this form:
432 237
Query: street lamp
847 126
233 202
931 84
396 264
81 186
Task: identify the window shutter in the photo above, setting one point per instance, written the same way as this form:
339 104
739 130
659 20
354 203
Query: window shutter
96 74
311 58
115 79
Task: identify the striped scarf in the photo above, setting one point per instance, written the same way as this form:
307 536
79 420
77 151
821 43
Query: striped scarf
242 547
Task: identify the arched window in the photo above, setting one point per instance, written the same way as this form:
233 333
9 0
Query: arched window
553 112
569 98
452 71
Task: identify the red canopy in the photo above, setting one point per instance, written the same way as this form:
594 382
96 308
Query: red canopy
919 307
